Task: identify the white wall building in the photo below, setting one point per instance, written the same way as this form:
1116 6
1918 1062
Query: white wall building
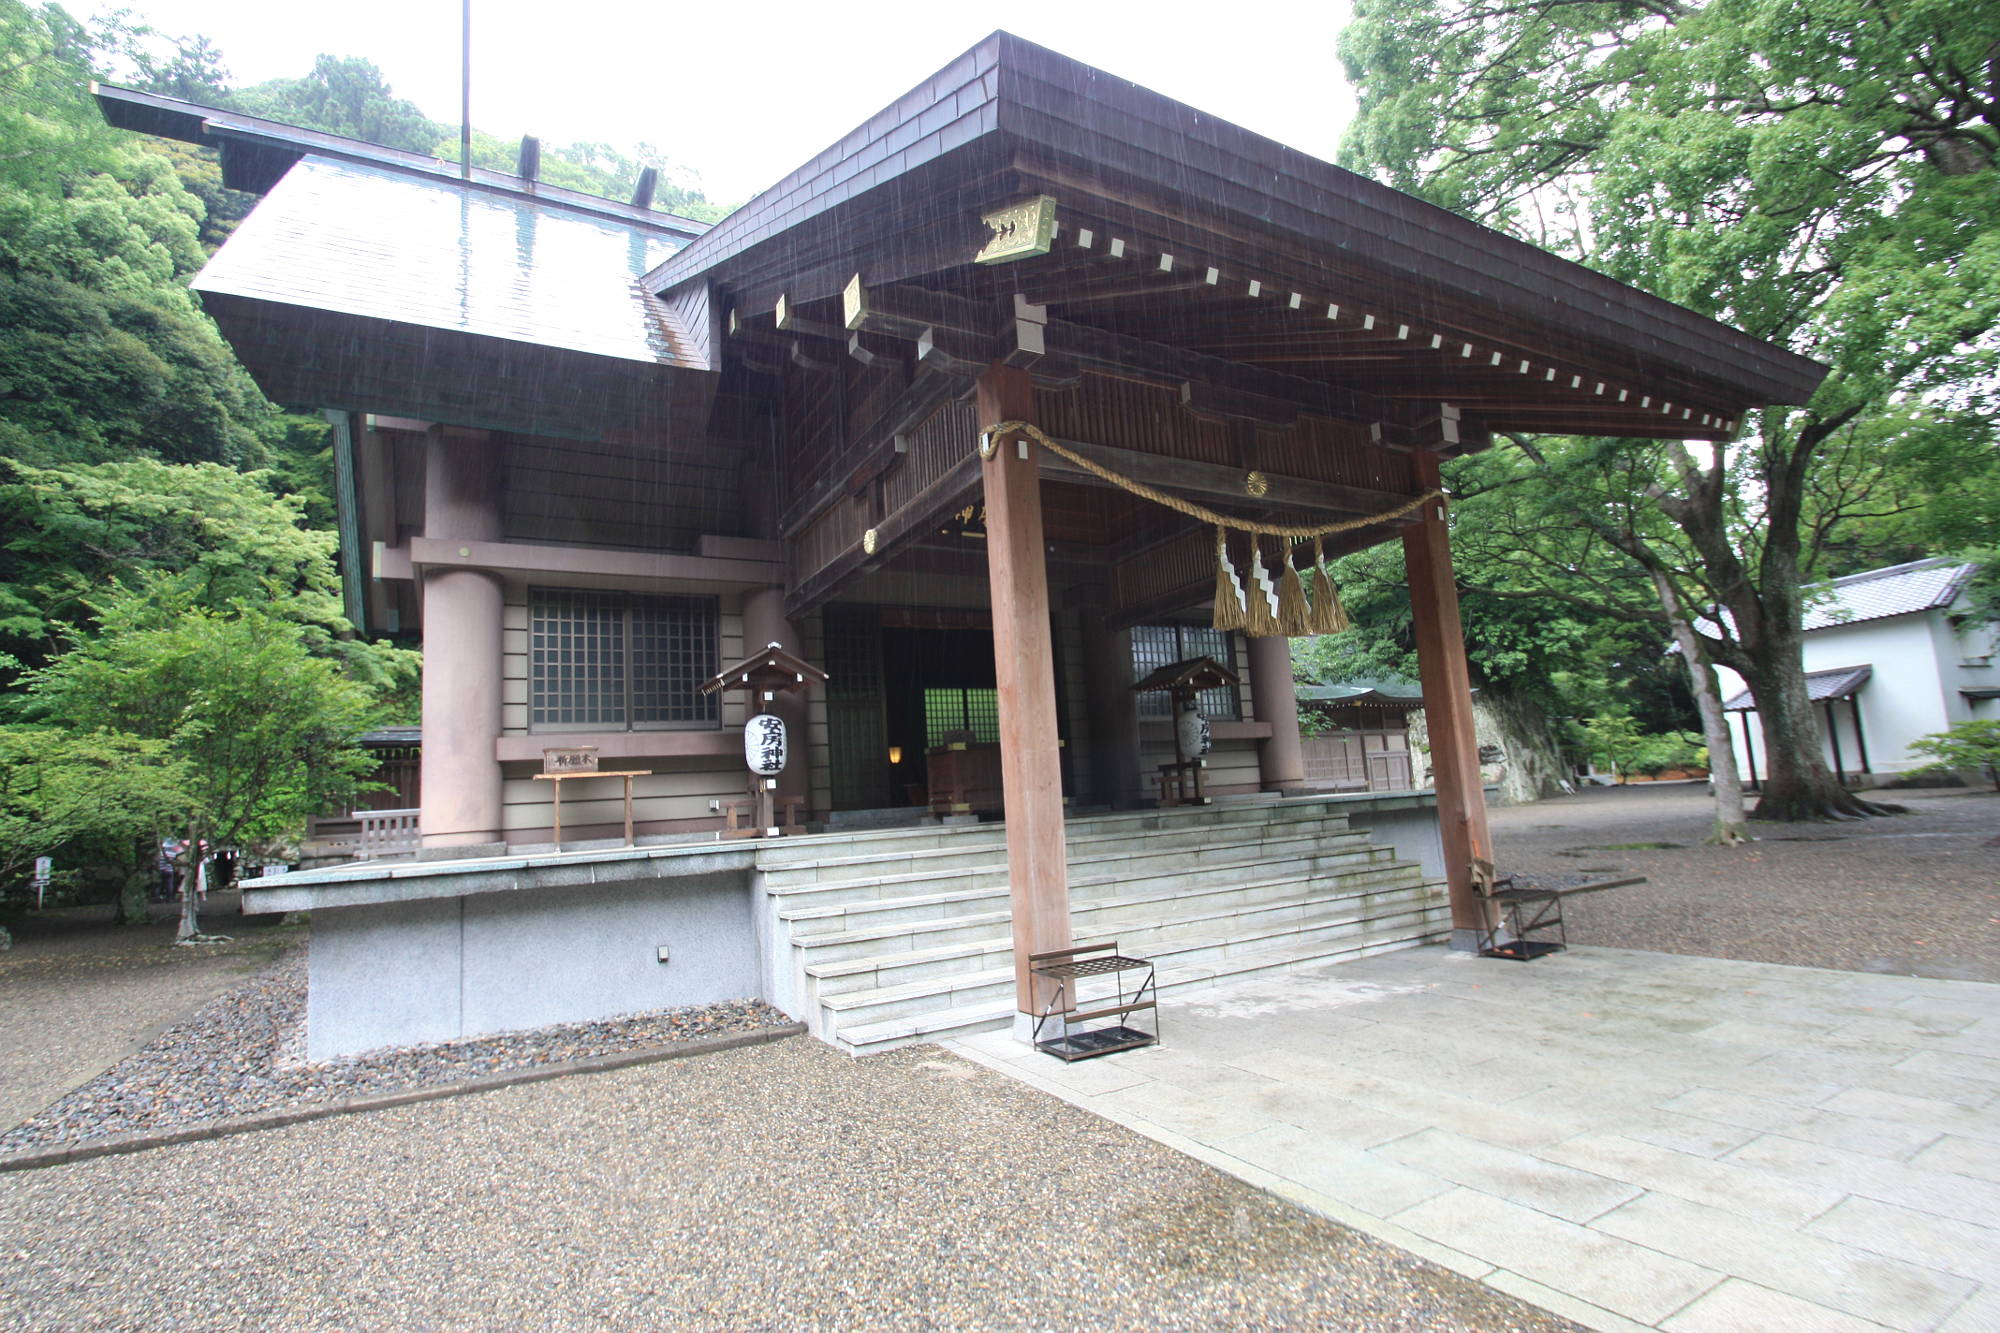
1890 655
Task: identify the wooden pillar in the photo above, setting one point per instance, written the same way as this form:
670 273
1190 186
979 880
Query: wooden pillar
1114 711
462 800
1281 759
1024 670
1447 706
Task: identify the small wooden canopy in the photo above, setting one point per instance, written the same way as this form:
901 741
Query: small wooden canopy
1190 677
773 670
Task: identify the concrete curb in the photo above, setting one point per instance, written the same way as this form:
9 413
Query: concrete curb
247 1124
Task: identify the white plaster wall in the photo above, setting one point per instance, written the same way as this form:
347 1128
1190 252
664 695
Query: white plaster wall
394 974
1912 692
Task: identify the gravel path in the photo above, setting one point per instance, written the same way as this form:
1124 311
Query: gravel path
782 1186
1915 894
243 1052
78 995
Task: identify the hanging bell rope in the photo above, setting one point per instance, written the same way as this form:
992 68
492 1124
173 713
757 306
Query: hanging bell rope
1254 602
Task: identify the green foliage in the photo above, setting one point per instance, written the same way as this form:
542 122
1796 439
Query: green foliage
204 536
1820 173
1974 744
343 95
264 729
1614 740
61 789
1565 661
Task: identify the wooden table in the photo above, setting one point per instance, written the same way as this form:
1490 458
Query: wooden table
627 774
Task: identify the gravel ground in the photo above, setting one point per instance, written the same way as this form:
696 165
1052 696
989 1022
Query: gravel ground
1916 894
782 1186
243 1052
77 995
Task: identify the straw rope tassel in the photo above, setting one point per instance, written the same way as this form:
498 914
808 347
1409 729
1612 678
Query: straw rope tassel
1260 619
1229 613
1294 616
1328 615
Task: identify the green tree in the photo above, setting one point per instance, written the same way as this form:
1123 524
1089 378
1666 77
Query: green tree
62 789
264 730
1817 172
1974 744
343 95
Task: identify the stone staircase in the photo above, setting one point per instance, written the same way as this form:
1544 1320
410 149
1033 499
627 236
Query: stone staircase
881 939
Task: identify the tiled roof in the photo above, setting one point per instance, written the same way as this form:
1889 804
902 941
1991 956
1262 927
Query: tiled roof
1839 683
365 240
1898 590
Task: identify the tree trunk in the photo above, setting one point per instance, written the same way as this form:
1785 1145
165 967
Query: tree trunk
192 884
130 909
1798 784
1730 823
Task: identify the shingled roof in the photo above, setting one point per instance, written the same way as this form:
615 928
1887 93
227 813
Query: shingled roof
1898 590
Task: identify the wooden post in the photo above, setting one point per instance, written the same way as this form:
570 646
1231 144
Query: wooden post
1447 707
1024 670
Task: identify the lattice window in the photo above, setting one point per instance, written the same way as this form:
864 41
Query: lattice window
604 661
952 708
1154 646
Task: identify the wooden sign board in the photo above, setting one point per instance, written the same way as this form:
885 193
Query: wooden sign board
575 759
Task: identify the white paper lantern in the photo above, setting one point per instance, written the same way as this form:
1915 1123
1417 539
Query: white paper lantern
764 746
1195 738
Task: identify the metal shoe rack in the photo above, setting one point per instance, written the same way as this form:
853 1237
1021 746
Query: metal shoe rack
1070 1033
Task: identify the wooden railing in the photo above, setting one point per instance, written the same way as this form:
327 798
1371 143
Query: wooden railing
386 833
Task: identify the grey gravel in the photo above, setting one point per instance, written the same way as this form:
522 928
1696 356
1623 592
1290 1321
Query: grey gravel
243 1052
77 995
782 1186
1915 894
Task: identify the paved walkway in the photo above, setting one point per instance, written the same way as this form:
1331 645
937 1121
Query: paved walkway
1629 1139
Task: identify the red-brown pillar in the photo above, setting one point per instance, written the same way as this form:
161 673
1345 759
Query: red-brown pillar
1447 705
462 650
764 623
1024 670
1281 760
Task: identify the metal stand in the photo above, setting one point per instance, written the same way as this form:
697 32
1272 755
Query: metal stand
1533 918
1056 1031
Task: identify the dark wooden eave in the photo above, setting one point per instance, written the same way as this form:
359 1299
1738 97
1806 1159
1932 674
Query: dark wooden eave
1187 232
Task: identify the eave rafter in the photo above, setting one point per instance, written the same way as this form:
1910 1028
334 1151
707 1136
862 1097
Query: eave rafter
1114 277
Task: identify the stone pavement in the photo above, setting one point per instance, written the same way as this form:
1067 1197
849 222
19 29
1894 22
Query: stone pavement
1628 1139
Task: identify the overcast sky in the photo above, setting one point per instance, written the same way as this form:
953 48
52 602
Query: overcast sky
742 92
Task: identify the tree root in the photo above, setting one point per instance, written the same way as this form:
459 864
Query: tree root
1727 835
199 938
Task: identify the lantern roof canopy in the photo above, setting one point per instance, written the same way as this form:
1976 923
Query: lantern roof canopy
774 669
1196 673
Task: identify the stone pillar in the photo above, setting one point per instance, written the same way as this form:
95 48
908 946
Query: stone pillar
1281 763
462 649
1114 711
1447 707
1024 670
764 623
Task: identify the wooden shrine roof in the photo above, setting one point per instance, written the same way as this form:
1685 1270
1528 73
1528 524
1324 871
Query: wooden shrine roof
1175 229
773 668
1196 673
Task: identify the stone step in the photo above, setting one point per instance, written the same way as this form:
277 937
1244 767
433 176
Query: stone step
1176 957
1240 881
1103 861
866 1038
877 864
995 948
813 847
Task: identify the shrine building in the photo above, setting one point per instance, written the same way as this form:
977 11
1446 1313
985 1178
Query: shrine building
1035 388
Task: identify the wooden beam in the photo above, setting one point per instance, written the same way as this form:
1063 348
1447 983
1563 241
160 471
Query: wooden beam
1024 672
1447 685
893 531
